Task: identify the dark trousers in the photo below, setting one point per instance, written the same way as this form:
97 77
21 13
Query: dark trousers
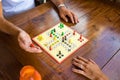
38 2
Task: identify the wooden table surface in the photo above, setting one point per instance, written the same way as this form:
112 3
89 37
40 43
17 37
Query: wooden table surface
98 21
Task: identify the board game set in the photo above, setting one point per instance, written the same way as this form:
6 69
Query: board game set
60 41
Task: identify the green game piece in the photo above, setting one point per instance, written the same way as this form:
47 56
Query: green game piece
62 33
61 25
52 31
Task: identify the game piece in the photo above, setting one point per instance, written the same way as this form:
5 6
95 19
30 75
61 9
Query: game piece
50 35
32 45
70 41
40 38
54 38
62 43
50 47
54 30
74 33
80 39
62 33
61 25
62 39
80 36
65 37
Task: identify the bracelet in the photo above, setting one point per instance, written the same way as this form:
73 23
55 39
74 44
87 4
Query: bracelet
61 5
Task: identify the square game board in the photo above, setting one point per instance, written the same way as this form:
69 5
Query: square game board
60 41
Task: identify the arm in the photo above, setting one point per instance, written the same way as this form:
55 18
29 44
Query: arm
64 12
23 38
88 68
4 25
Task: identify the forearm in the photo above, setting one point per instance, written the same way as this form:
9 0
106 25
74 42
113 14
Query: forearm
58 2
8 27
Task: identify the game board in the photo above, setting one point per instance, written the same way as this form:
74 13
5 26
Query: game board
60 41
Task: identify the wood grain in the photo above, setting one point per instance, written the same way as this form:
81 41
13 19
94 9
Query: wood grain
99 22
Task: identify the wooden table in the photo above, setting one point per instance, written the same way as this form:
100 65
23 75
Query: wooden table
99 22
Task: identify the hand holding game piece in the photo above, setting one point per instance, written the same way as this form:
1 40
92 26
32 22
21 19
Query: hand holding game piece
32 45
64 12
25 43
88 68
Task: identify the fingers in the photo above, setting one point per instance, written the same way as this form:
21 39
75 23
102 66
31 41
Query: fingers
64 12
92 61
79 65
25 43
75 18
86 67
82 63
82 59
71 17
79 61
33 49
78 71
64 18
30 47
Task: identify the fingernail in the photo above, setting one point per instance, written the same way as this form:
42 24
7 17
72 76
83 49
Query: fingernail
66 20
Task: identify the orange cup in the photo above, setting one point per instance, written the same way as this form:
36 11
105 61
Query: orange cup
29 73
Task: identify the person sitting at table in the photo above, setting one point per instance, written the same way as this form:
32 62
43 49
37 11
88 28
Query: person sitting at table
88 68
12 7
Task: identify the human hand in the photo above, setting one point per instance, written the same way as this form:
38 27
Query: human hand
25 43
88 68
64 12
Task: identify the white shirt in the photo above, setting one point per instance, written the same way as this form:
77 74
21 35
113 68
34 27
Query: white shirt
12 7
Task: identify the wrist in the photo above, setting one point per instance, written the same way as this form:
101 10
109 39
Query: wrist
100 76
18 32
61 5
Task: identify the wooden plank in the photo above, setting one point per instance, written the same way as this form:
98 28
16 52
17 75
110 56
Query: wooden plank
111 69
8 62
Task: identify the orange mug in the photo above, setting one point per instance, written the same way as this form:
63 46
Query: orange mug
29 73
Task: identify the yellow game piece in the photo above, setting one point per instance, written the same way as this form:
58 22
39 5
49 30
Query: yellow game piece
40 38
54 38
70 41
45 44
